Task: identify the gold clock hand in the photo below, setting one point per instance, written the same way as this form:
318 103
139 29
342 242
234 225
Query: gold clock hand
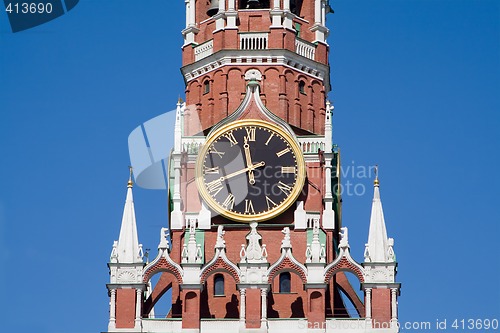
251 176
246 146
239 172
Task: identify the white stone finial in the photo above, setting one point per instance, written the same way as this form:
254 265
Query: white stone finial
220 243
191 253
163 239
315 252
391 256
366 254
344 238
254 250
141 252
243 253
114 252
285 243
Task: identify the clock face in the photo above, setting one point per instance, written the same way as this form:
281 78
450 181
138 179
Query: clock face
250 170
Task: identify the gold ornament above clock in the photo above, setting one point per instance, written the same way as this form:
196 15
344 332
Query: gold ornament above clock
250 170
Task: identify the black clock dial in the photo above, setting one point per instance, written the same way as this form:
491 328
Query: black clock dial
250 171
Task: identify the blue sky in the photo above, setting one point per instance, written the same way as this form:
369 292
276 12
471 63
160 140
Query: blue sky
416 90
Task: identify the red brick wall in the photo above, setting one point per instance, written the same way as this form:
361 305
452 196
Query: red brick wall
381 306
125 308
226 306
279 92
288 305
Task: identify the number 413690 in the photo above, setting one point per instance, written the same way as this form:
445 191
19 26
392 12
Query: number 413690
29 8
475 324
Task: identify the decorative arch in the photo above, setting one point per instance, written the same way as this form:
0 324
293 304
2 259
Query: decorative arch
287 265
162 265
220 265
344 265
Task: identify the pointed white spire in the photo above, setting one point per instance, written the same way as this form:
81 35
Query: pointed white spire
378 246
128 249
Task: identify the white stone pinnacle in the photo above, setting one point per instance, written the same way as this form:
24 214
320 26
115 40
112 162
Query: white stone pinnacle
128 249
377 247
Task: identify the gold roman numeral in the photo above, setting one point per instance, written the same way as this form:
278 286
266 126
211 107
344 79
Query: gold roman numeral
214 170
250 133
270 137
214 187
285 188
270 202
229 202
288 169
212 150
283 152
231 138
249 207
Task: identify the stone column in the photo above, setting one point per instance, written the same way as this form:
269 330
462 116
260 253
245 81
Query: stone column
368 306
242 307
192 13
317 11
138 308
187 13
263 320
112 310
394 307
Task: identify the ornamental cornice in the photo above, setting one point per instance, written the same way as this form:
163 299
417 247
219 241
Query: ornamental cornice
254 58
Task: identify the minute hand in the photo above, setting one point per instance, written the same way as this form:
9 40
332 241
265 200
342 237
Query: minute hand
239 172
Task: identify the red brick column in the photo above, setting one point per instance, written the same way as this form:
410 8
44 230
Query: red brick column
316 307
381 307
125 308
191 308
253 306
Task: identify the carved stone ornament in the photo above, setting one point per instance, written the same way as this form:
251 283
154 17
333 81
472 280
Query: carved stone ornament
126 276
253 75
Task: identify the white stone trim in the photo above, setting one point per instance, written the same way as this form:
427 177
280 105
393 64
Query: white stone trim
253 40
203 50
283 58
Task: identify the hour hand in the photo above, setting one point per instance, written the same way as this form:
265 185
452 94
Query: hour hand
248 157
251 177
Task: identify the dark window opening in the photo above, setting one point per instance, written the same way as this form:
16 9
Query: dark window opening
206 87
219 285
302 87
296 6
285 282
254 4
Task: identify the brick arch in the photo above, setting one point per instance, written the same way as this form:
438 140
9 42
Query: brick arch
271 87
205 77
162 266
344 265
165 283
236 89
304 78
219 266
287 266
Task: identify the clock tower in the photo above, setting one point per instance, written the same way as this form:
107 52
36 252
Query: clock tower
255 241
